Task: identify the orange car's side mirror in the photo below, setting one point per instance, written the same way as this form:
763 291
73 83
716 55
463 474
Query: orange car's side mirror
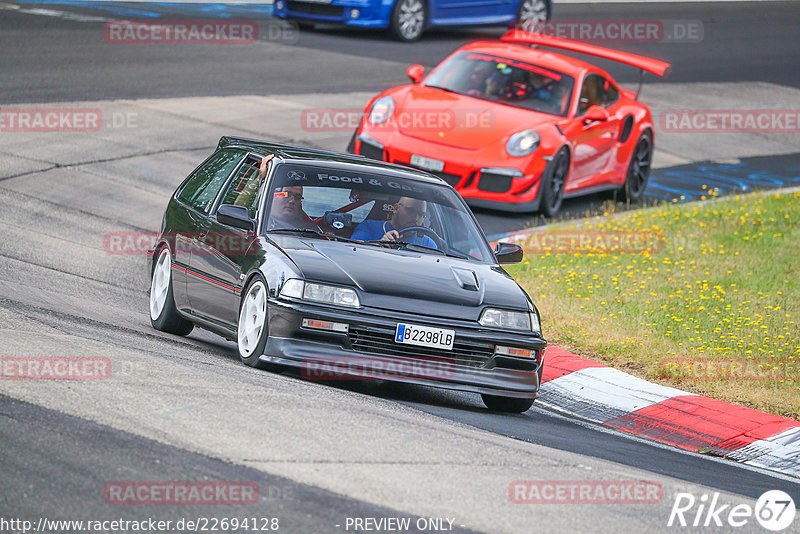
596 113
415 72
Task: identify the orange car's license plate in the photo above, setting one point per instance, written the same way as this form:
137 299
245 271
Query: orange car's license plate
429 164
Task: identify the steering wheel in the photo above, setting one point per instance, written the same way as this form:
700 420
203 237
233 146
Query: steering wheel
437 239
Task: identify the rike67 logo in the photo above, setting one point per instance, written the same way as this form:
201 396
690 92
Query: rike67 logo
774 510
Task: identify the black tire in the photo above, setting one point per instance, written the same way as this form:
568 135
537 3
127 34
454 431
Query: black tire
351 146
527 8
638 169
506 404
408 20
251 355
167 319
553 180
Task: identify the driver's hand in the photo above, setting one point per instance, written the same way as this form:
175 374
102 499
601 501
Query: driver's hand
391 235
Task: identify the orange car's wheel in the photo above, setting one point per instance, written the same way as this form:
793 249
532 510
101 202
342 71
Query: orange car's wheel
553 180
638 169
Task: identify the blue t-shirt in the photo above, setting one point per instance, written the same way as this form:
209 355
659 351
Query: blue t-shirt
372 230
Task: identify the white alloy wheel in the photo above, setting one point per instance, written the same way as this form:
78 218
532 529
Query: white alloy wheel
252 319
532 15
408 19
159 287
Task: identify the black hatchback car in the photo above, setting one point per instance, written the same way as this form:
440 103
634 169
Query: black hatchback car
343 267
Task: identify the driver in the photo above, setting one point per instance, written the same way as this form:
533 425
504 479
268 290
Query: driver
407 212
540 86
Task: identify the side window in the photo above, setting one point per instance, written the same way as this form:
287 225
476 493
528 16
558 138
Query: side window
201 189
243 189
610 93
591 92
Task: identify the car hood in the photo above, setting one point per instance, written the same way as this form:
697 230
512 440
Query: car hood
461 121
405 280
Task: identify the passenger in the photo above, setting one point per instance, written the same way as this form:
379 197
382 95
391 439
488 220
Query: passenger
406 212
287 209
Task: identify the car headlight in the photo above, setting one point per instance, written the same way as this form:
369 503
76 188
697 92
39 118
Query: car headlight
522 143
381 110
536 326
338 296
510 320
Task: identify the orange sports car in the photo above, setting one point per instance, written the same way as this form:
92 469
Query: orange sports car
517 128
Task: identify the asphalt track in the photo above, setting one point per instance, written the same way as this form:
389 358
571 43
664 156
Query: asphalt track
186 409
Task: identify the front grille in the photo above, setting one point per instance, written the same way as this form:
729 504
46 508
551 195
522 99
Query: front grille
381 342
451 179
315 9
371 151
494 183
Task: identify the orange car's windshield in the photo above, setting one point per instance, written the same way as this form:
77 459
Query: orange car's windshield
506 81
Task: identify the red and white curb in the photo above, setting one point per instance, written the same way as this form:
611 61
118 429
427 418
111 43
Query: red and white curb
595 392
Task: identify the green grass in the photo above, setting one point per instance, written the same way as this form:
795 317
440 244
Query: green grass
710 307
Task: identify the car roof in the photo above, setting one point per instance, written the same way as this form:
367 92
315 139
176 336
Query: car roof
544 58
311 156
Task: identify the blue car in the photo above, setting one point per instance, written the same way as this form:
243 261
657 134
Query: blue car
407 19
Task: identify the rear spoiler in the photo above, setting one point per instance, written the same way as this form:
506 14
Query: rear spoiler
659 68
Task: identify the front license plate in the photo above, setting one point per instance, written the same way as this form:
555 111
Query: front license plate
424 336
428 164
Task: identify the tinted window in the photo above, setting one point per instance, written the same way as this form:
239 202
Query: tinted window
507 81
363 204
243 189
202 187
610 93
596 91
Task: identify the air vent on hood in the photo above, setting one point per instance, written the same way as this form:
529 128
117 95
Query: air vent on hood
466 278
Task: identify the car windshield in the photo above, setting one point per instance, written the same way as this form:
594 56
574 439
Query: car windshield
372 207
506 81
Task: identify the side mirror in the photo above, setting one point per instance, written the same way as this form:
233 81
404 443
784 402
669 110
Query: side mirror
508 253
236 216
596 113
415 72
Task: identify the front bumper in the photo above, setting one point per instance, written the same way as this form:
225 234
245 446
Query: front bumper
367 351
473 173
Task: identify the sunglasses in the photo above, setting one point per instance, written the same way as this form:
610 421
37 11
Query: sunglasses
290 194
